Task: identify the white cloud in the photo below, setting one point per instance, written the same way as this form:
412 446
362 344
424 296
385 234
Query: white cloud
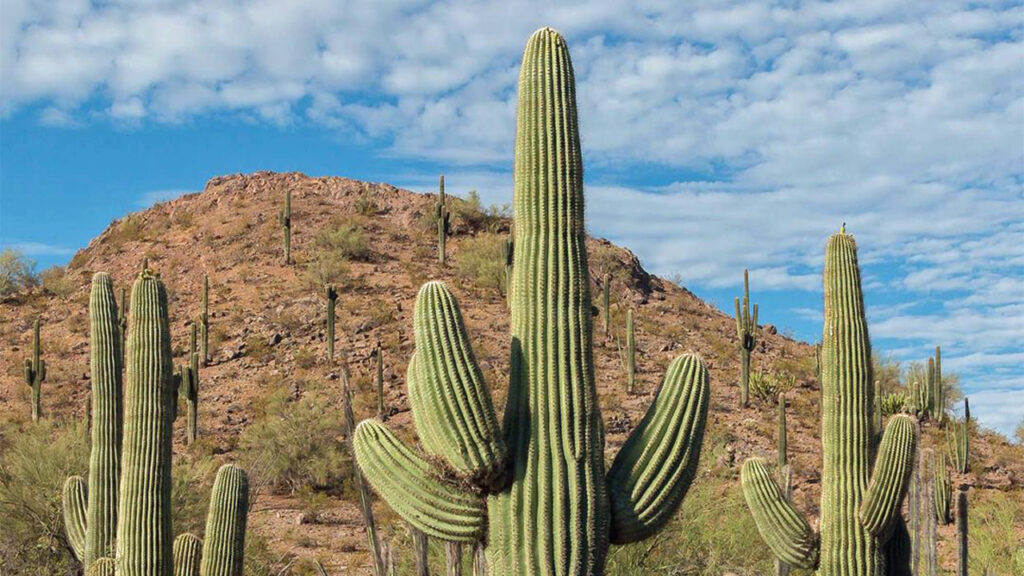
40 249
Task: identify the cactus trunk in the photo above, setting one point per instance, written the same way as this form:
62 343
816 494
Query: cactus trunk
441 214
284 218
380 379
606 298
188 551
630 353
224 541
419 552
35 374
377 552
746 329
332 299
961 531
204 326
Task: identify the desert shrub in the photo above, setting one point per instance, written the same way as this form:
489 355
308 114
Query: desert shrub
994 517
130 228
305 358
479 260
55 281
296 444
767 386
16 272
34 463
468 213
326 268
344 237
366 205
894 403
256 347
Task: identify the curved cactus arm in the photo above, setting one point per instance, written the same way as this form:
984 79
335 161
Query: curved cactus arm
451 399
404 481
653 471
781 526
188 551
891 476
102 567
74 500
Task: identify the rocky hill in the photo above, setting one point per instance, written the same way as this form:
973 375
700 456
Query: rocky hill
267 333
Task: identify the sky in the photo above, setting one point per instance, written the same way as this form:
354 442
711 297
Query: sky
717 136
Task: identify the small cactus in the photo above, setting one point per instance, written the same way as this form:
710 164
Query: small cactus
188 553
204 323
224 542
507 251
943 488
188 387
630 359
379 353
122 322
331 294
606 301
783 457
35 374
746 329
939 408
930 545
284 218
958 441
443 218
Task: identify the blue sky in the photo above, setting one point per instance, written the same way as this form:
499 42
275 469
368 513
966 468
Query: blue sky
717 137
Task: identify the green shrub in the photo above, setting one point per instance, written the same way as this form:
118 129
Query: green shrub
366 205
296 444
326 268
344 237
55 281
767 386
479 260
16 272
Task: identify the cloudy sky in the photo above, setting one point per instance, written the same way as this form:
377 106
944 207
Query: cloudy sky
716 137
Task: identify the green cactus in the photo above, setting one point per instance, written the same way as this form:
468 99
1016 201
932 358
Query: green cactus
629 359
188 551
930 547
443 218
939 408
35 374
943 488
606 301
331 294
507 251
204 323
74 497
122 322
783 456
894 403
379 354
859 507
377 552
144 515
102 567
224 540
188 387
284 218
961 531
550 510
746 329
958 441
97 520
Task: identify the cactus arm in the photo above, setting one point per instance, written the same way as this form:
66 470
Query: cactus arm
890 478
653 471
103 567
781 526
451 399
188 550
74 502
224 543
404 480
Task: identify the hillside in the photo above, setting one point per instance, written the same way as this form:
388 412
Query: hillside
268 337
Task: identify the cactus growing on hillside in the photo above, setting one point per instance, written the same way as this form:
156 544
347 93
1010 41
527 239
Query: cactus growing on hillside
943 488
284 218
35 374
538 481
331 294
938 389
224 540
606 301
188 553
442 217
507 250
122 322
630 356
961 531
746 329
204 323
453 558
379 353
188 387
958 441
859 506
377 552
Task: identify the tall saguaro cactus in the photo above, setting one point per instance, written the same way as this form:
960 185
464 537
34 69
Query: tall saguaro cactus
144 535
442 216
537 482
331 294
630 359
284 218
189 389
35 374
859 507
943 488
122 322
746 329
224 542
204 323
606 302
939 394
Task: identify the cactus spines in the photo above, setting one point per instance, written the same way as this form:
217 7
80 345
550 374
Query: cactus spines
144 536
746 329
102 567
550 514
224 540
858 506
35 374
204 323
284 218
784 529
943 488
188 387
630 359
961 531
958 441
653 471
188 552
442 216
74 499
606 301
783 456
331 294
453 558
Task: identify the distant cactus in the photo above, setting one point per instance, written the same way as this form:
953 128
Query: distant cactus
939 394
284 218
859 507
331 294
204 323
35 374
943 488
746 330
630 355
188 388
443 217
379 353
894 403
507 251
958 441
224 541
606 299
188 553
783 457
537 483
122 322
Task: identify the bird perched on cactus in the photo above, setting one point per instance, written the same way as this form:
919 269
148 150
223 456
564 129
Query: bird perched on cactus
35 374
859 507
746 328
536 482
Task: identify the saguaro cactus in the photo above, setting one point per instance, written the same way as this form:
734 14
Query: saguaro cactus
144 535
204 323
507 250
958 438
538 481
35 374
331 294
122 322
189 389
961 531
630 359
284 218
188 553
746 329
224 543
939 395
379 353
96 520
378 554
858 506
606 301
943 488
443 221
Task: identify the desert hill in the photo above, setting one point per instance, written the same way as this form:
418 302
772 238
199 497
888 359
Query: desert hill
268 336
